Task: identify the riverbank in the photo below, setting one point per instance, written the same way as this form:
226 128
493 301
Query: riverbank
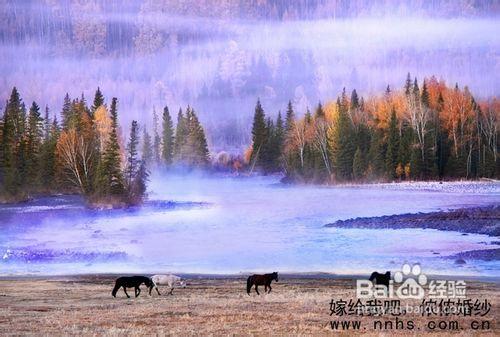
473 220
298 305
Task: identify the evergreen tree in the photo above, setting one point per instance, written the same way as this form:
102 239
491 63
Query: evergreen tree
46 124
408 86
319 113
156 139
259 133
168 138
308 117
280 136
196 147
181 133
66 112
269 150
354 100
132 160
391 156
358 165
405 144
112 179
47 162
377 154
147 148
138 189
98 101
13 162
34 140
342 144
290 117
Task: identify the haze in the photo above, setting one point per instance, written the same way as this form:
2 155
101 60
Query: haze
149 56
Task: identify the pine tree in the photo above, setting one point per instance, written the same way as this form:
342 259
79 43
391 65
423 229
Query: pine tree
147 148
405 144
259 133
156 139
358 165
196 147
319 113
13 164
132 160
47 169
280 137
342 144
268 151
34 140
138 189
181 133
377 154
168 138
98 101
408 85
354 100
66 112
46 124
391 156
290 117
111 175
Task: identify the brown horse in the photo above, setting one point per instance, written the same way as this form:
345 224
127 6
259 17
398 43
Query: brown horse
133 282
260 280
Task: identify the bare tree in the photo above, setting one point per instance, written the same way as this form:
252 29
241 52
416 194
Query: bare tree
321 141
77 157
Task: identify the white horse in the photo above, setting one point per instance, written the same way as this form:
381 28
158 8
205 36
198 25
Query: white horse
169 280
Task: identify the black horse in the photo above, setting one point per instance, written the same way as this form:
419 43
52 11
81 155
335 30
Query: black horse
382 279
260 280
132 282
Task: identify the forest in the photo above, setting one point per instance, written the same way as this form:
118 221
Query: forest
422 132
426 131
85 152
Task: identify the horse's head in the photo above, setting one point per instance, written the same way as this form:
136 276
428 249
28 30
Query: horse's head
275 276
373 276
182 284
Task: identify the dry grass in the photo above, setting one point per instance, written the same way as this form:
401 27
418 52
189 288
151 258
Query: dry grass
208 307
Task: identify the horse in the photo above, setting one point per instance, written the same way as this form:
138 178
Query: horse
382 279
259 280
132 282
169 280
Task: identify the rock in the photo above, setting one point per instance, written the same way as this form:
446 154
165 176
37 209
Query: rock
460 261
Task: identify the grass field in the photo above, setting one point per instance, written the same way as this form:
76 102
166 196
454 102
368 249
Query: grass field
297 306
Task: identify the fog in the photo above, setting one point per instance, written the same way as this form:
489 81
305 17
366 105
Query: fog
149 57
208 224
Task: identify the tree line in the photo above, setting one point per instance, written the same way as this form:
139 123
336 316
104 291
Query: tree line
85 153
422 132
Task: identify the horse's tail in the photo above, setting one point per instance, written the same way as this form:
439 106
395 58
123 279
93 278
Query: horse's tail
115 289
249 284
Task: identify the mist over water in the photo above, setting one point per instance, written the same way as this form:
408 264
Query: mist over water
149 57
207 224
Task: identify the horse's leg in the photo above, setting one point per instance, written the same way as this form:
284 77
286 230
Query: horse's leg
257 288
171 291
265 288
157 291
125 290
138 291
269 288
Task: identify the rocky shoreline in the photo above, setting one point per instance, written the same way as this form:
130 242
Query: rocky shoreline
474 220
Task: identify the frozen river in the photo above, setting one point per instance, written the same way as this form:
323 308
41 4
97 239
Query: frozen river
202 224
